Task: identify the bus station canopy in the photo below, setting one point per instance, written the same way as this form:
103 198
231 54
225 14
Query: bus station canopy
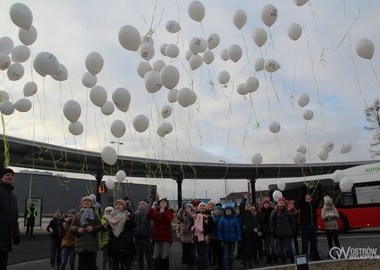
37 155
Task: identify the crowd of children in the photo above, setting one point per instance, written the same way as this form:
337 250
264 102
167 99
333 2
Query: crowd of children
210 235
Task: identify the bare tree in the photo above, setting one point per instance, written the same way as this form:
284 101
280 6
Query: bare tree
373 118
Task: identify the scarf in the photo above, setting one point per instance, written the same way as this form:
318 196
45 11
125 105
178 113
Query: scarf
198 227
117 220
88 214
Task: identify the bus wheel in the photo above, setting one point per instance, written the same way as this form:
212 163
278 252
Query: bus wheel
343 225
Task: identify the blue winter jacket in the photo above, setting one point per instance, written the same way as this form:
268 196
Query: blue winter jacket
229 228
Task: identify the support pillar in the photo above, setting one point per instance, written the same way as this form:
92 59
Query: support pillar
253 189
99 177
179 181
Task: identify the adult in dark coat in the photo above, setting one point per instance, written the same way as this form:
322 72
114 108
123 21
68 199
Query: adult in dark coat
9 230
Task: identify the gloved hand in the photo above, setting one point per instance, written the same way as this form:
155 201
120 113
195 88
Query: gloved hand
16 240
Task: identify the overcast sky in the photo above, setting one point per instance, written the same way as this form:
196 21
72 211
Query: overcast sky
222 125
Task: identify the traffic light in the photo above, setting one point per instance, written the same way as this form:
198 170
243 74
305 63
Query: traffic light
102 188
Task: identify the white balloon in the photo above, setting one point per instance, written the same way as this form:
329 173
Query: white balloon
271 65
172 95
345 148
72 110
109 155
118 128
5 61
123 109
308 115
188 55
158 65
15 72
163 49
142 68
98 95
46 63
224 55
299 158
259 36
240 18
213 41
234 53
110 184
303 100
323 155
169 76
338 175
94 62
242 89
269 15
30 88
20 53
208 57
224 77
172 50
346 184
257 159
61 75
120 176
252 84
21 15
195 61
164 129
196 11
6 45
23 105
6 107
147 39
172 26
300 2
76 128
197 45
274 127
129 37
166 111
328 146
294 31
302 149
108 108
146 51
365 48
276 195
186 97
259 64
140 123
121 97
27 36
152 81
89 80
281 185
3 95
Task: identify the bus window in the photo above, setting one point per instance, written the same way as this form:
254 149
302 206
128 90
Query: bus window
346 200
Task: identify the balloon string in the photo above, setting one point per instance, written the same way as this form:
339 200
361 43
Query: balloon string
246 50
376 77
6 144
356 71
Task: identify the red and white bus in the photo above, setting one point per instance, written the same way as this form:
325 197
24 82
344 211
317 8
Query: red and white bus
358 208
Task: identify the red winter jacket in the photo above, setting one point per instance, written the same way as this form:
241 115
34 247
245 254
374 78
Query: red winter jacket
162 224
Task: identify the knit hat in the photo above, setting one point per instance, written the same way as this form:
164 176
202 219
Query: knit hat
189 205
265 201
219 208
86 198
108 208
195 202
144 203
327 200
122 202
202 203
281 199
5 171
72 211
